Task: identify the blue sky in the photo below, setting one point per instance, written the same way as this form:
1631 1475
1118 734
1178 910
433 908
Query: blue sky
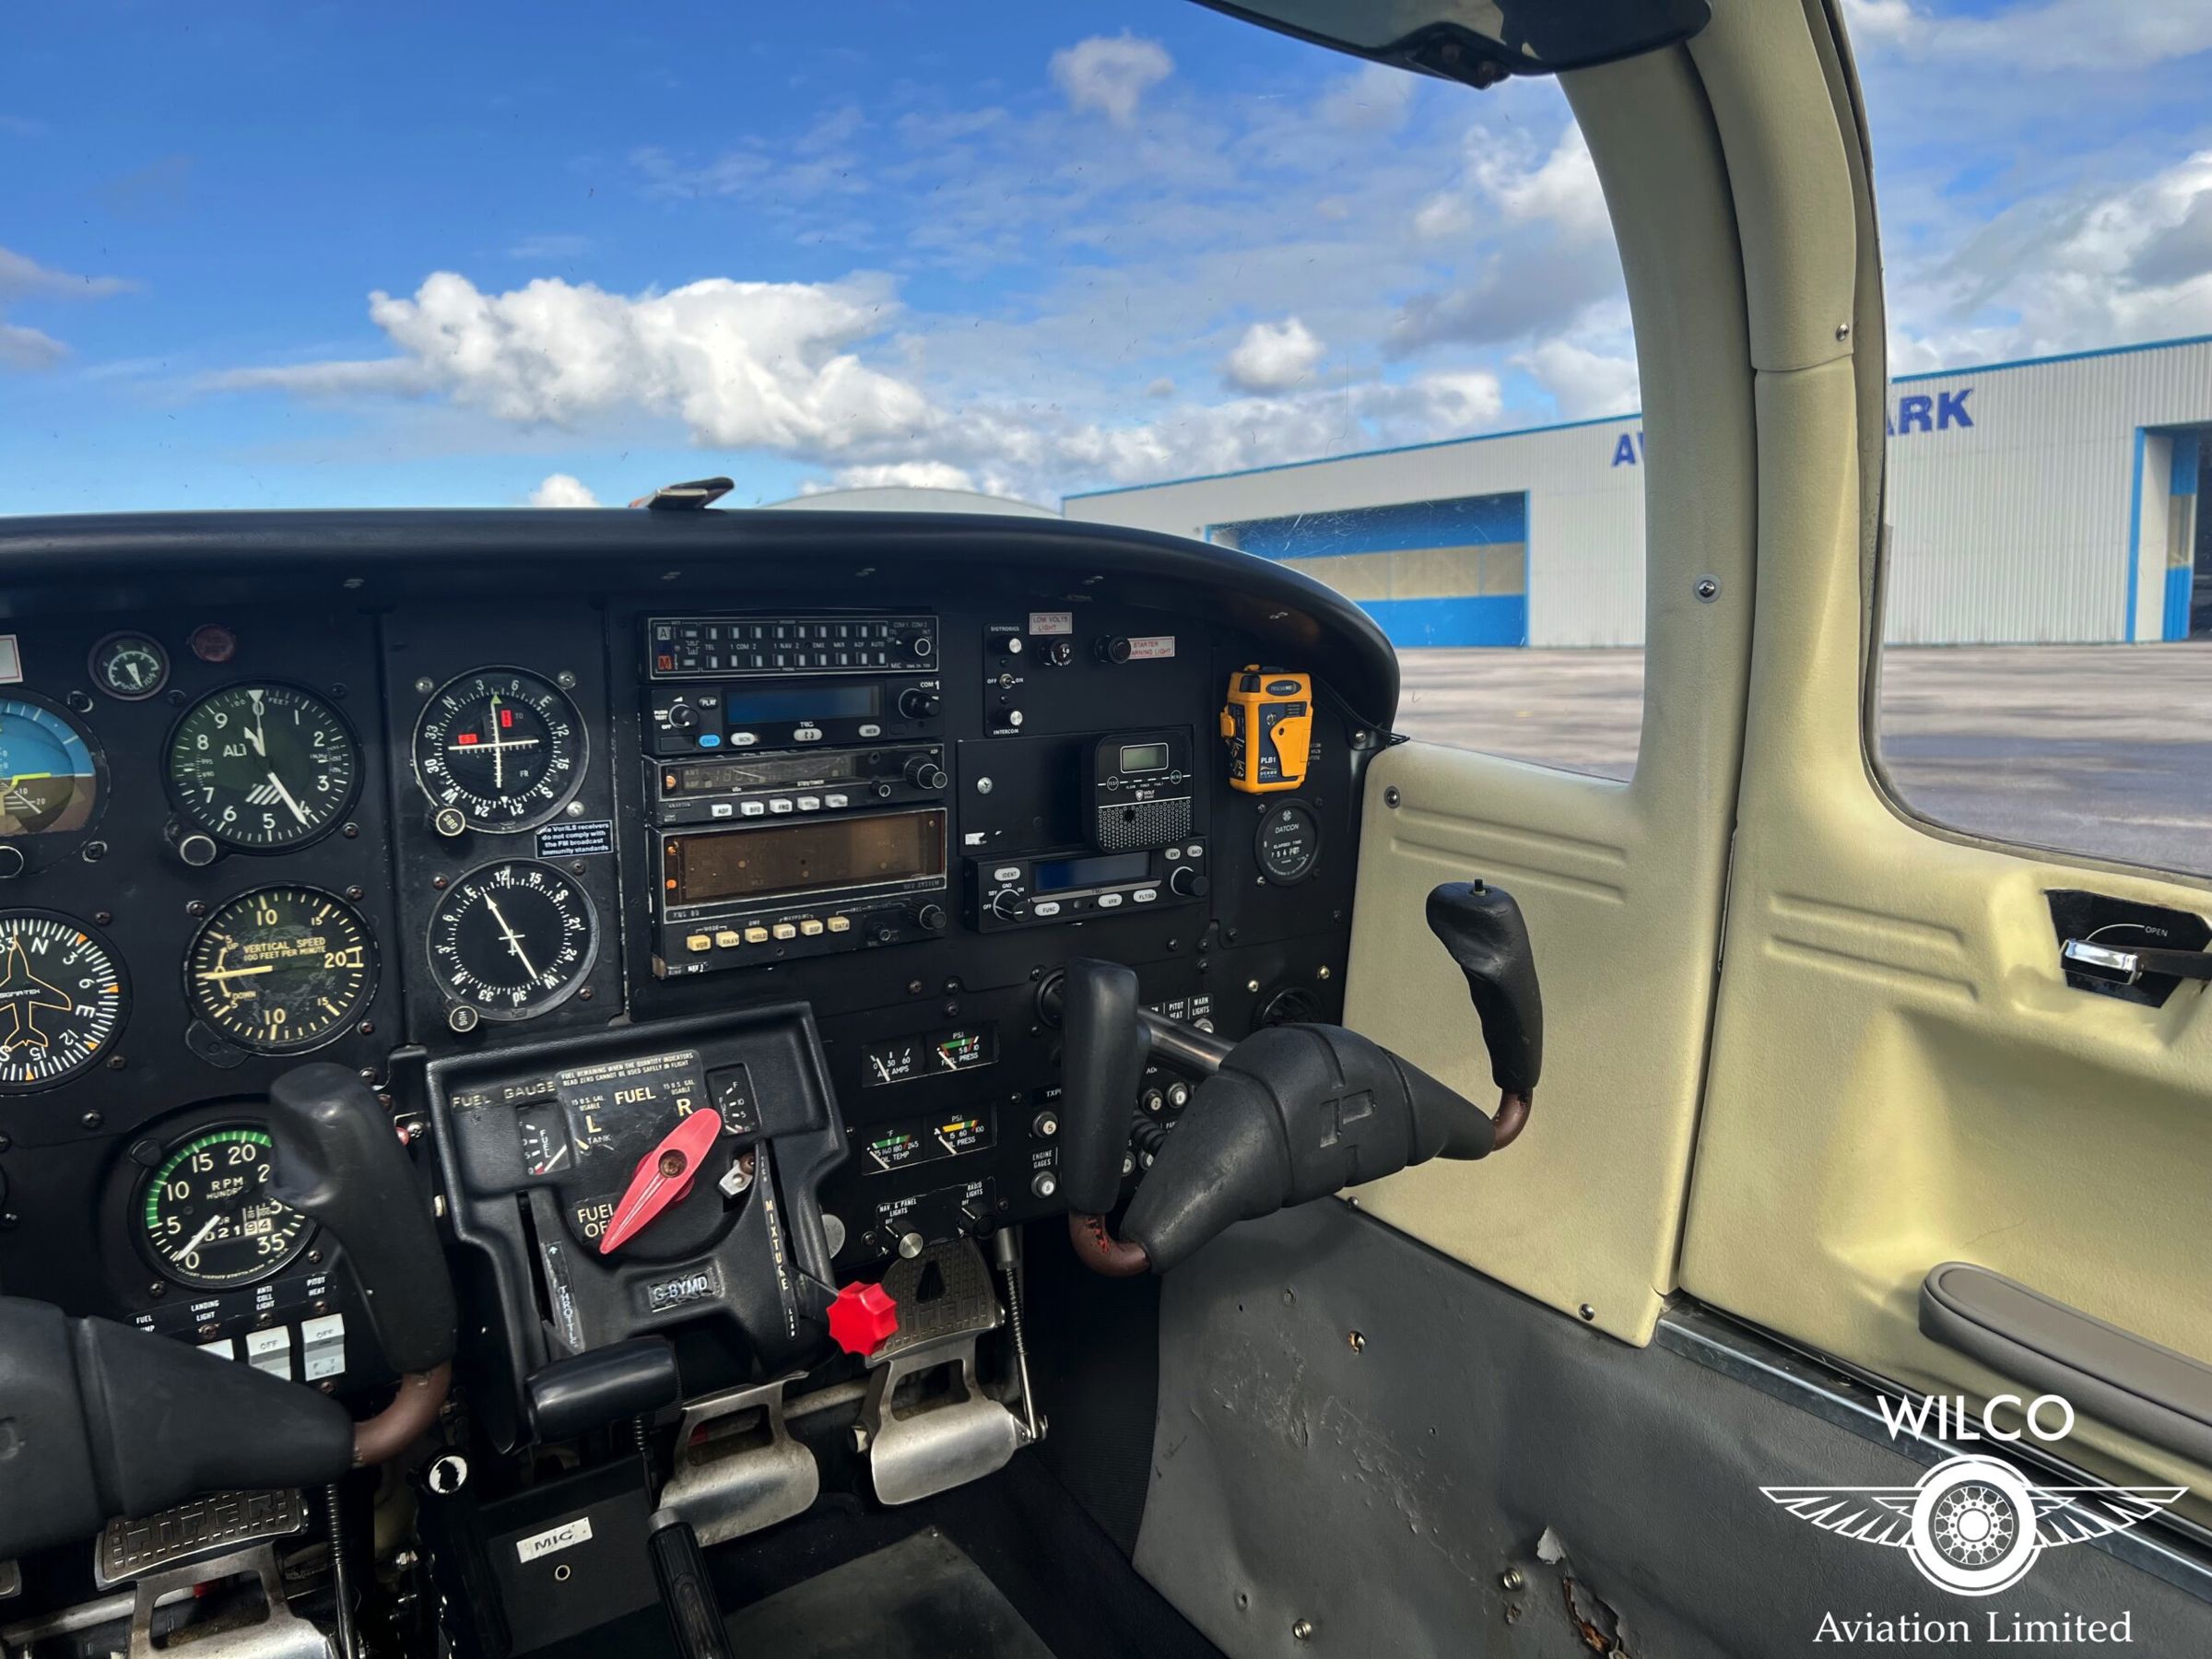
265 255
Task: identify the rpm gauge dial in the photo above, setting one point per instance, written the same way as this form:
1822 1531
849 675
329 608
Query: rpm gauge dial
63 999
281 970
502 747
263 767
207 1217
510 940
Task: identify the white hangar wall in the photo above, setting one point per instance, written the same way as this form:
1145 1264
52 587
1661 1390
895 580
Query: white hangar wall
2028 502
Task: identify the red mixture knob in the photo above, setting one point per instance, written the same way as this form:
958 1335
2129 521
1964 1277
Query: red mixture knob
863 1318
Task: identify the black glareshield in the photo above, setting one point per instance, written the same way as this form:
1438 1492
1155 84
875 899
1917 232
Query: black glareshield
1482 929
1295 1113
1103 1067
339 1163
98 1420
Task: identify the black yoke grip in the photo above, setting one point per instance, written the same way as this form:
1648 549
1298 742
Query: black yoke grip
1481 926
339 1163
1102 1052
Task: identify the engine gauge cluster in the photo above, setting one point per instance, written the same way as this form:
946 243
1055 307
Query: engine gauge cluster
263 767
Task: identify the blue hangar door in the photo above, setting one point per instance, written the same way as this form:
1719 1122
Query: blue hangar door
1451 572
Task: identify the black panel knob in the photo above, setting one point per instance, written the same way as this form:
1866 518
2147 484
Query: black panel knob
930 918
1010 905
1113 648
1186 883
925 774
682 717
917 704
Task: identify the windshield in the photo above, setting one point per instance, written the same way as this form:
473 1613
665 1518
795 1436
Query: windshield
269 257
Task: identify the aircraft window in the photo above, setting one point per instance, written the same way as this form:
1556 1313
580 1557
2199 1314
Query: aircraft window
2046 664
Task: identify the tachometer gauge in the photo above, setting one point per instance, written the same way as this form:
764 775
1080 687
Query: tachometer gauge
510 940
262 768
63 999
502 747
281 970
130 666
50 773
209 1220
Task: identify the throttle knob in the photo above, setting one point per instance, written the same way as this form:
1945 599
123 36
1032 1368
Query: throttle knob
863 1318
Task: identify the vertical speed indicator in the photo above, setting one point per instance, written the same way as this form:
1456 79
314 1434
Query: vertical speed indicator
502 746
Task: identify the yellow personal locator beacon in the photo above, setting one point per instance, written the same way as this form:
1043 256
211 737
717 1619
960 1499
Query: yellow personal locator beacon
1268 723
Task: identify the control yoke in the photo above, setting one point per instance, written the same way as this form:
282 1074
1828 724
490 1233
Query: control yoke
116 1421
1293 1112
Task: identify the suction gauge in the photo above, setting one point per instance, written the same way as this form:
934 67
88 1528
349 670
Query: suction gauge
130 666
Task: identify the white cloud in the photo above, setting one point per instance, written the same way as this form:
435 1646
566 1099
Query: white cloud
745 364
905 474
1273 357
1583 383
1110 73
1563 190
563 489
1374 98
1443 216
2067 36
24 349
2130 264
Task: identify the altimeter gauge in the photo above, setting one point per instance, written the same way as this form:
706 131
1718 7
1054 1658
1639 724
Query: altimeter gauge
281 970
63 999
512 939
263 767
502 747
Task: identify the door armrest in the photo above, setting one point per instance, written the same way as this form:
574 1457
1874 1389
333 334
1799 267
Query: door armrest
2105 1372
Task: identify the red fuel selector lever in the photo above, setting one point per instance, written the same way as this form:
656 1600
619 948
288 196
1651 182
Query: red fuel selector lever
663 1175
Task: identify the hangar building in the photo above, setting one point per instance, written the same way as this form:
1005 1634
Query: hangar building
2050 500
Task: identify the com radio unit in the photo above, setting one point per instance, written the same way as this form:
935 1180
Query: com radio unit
1009 892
